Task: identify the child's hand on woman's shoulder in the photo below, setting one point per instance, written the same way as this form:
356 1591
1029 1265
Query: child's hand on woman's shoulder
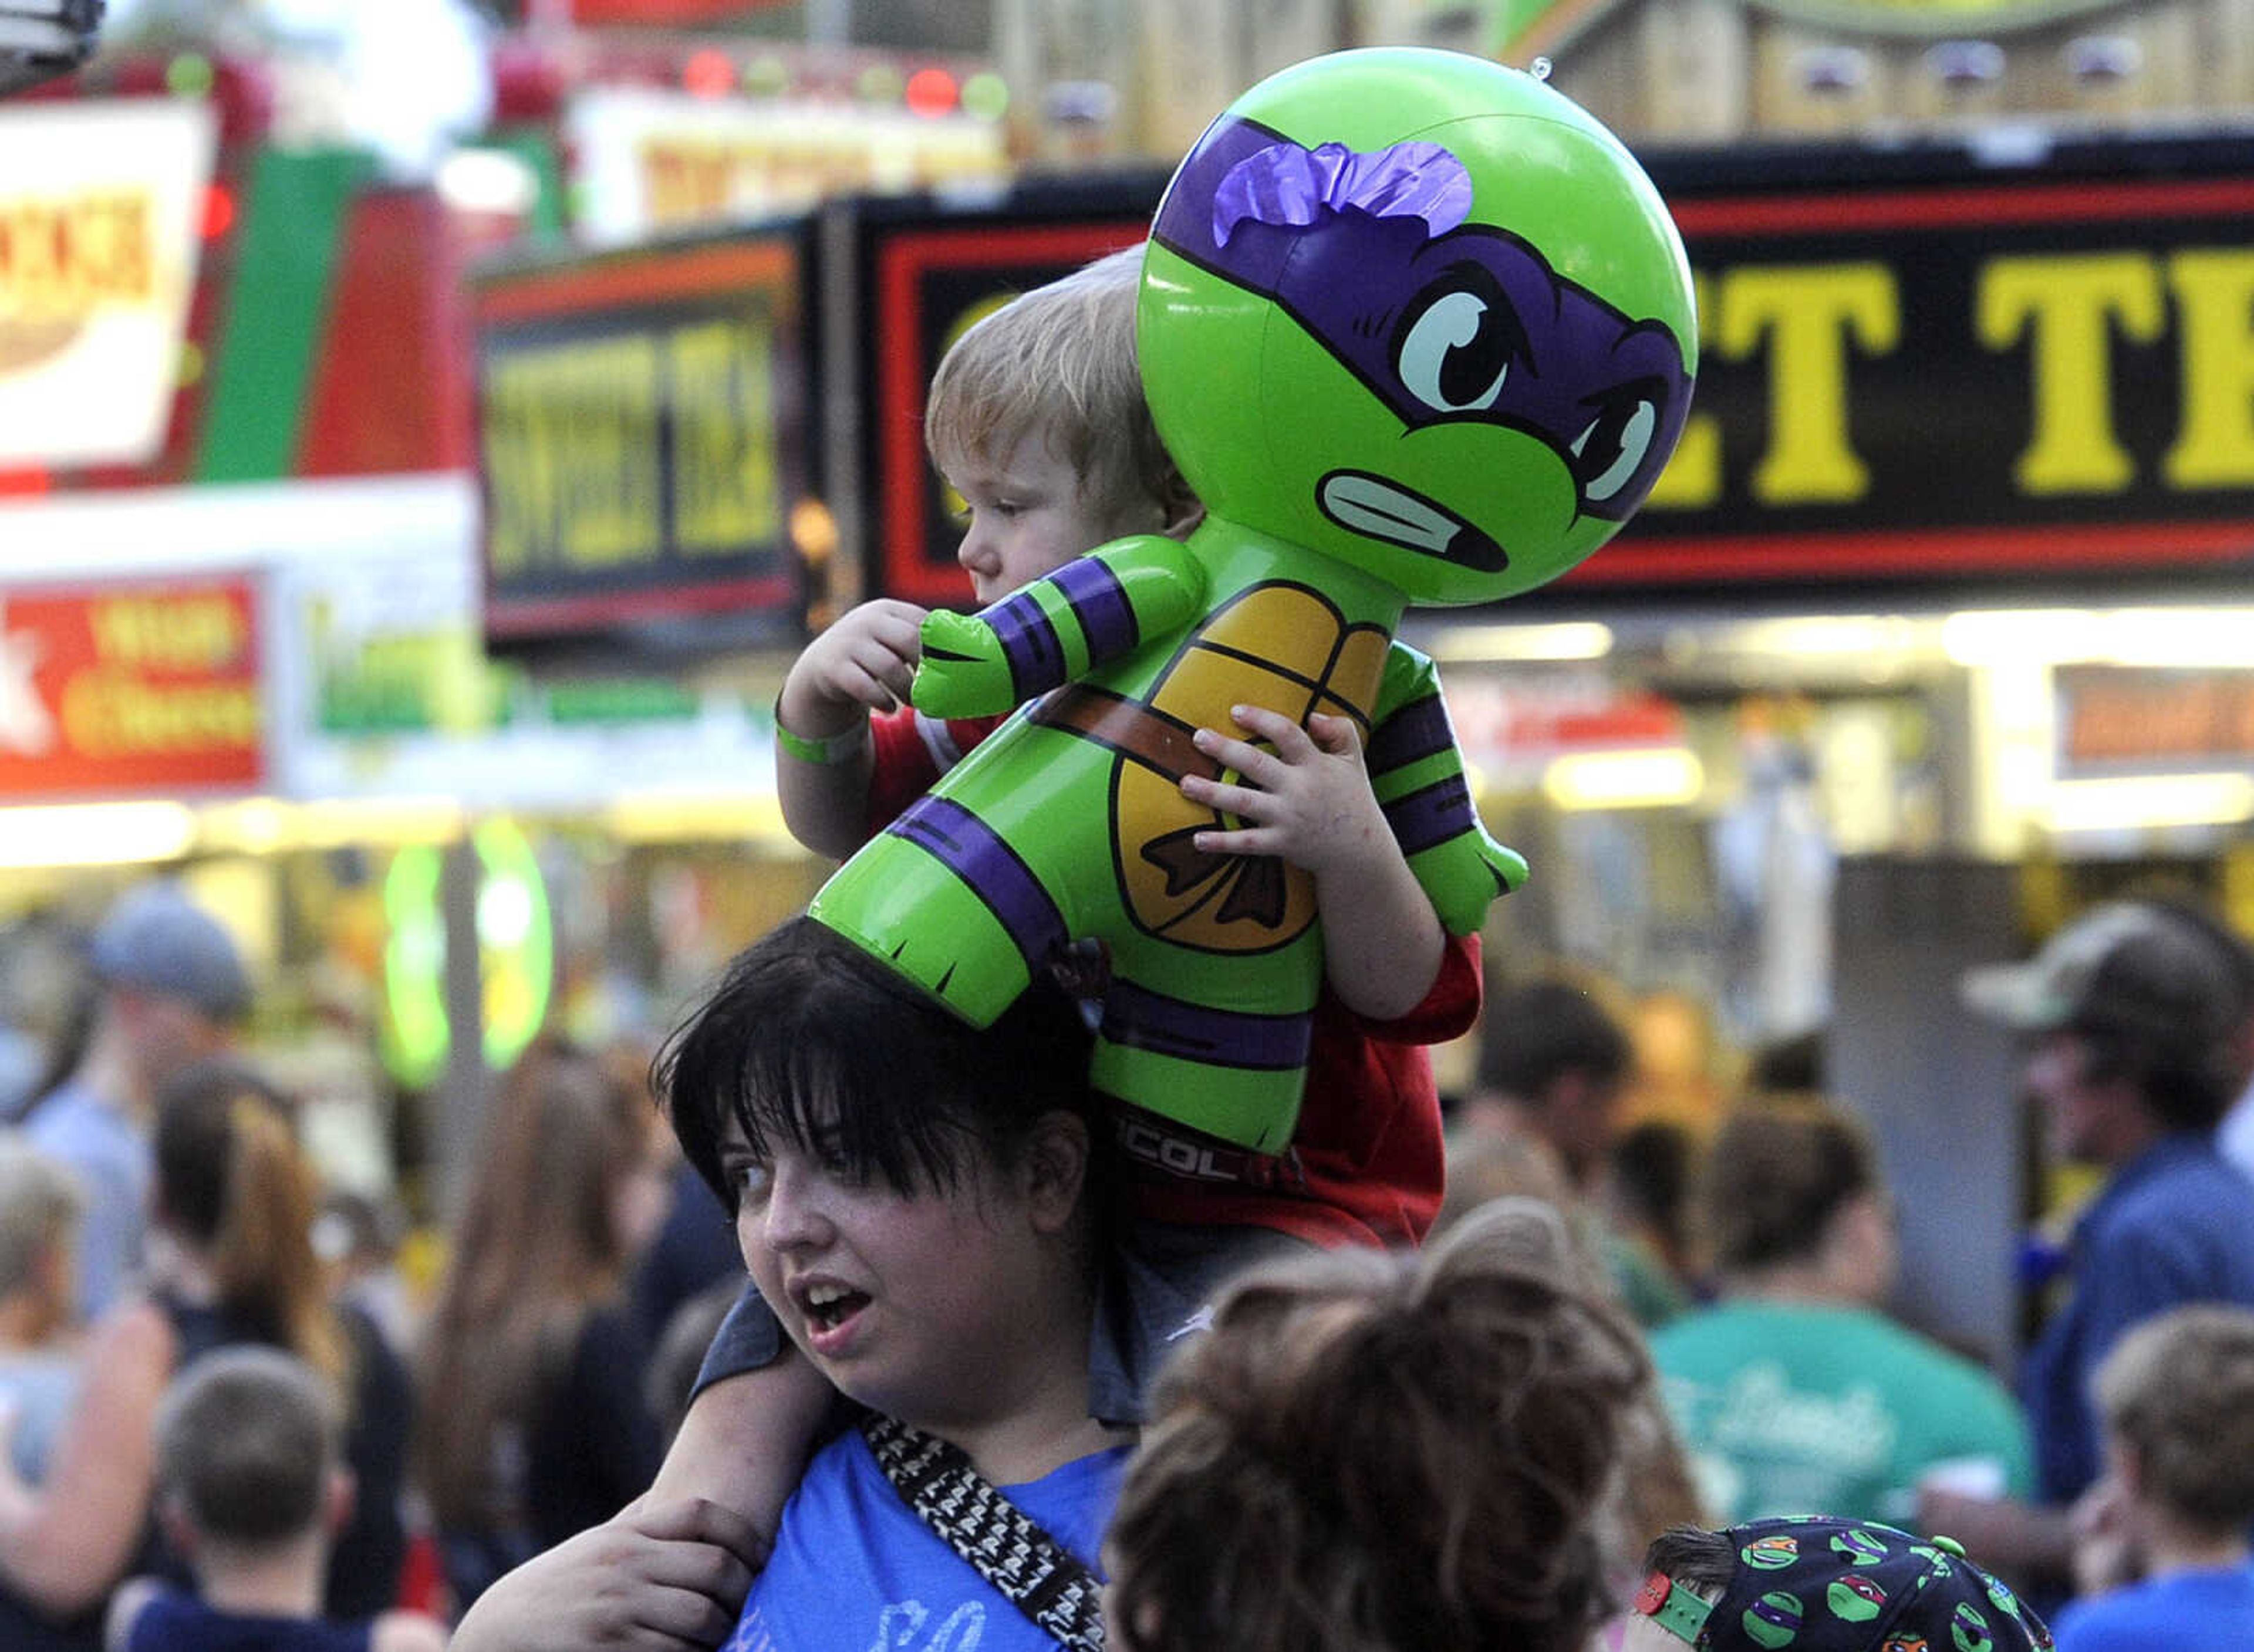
656 1577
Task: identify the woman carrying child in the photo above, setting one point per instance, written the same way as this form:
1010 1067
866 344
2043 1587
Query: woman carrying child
930 1247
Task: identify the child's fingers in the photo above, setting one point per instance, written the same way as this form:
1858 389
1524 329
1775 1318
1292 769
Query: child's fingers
1242 800
1250 840
1288 737
1336 735
1256 763
865 687
896 673
900 628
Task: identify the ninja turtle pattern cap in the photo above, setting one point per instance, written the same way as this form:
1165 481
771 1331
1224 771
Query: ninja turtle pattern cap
1815 1584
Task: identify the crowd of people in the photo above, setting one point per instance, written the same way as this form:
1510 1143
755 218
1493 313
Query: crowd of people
985 1365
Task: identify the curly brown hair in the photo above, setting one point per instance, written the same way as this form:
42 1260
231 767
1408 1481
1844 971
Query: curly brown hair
1373 1451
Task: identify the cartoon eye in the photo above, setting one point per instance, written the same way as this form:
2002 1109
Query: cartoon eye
1457 343
1613 448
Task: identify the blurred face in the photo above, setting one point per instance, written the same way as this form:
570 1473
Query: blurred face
165 1034
2084 1119
1030 515
908 1304
640 1198
1581 1117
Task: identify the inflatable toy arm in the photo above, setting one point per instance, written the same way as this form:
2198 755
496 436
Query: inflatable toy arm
1417 773
1092 609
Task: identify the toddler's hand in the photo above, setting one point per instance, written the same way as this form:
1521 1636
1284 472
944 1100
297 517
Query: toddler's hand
863 662
1302 793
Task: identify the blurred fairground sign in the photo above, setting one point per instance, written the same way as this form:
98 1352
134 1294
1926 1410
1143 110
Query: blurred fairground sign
648 161
1930 17
101 207
1528 26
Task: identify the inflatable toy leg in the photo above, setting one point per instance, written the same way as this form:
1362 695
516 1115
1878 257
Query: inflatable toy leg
1217 1043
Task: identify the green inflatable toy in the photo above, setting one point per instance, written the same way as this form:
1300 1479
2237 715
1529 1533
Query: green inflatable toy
1418 329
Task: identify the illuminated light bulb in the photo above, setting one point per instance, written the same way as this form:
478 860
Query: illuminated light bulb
986 94
711 72
931 92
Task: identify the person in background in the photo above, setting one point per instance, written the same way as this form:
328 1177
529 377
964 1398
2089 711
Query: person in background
1821 1584
173 988
1552 1064
251 1486
2233 1138
48 997
1795 1392
2161 1554
535 1426
1386 1453
357 1237
39 1207
233 1265
1648 1183
2130 1017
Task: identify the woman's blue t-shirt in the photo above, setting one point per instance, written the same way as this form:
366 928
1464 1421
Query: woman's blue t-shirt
854 1569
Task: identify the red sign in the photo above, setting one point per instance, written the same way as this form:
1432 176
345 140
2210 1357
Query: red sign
147 687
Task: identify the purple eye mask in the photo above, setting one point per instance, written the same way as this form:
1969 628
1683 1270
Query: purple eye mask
1361 248
1291 186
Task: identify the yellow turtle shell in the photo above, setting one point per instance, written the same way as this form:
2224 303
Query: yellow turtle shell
1279 646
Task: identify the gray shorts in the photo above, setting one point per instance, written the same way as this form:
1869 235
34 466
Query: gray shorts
1155 1289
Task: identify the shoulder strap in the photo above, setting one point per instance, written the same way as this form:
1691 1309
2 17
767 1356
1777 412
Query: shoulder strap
1033 1571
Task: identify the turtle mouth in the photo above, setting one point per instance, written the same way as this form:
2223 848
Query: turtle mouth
1377 508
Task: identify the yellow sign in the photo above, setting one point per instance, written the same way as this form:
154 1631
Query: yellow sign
101 213
1817 325
578 475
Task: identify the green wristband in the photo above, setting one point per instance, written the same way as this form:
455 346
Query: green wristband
838 748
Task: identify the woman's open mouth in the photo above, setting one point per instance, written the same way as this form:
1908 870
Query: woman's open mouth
828 1307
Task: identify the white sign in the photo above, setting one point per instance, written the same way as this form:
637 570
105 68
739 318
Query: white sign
100 210
647 161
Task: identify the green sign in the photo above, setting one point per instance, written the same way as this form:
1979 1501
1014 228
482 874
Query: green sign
516 953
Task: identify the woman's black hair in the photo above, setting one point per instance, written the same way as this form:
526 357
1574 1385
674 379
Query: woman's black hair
810 1040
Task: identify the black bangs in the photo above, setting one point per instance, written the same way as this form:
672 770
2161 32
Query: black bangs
809 1041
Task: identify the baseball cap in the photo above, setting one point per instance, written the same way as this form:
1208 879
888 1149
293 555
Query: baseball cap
2126 962
1817 1584
157 940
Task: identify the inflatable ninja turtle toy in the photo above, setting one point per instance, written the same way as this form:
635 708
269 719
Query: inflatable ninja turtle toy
1417 329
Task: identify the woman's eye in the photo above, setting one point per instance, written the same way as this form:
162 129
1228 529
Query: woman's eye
750 1178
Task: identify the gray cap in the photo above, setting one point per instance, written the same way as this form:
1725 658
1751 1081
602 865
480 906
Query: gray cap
2126 962
156 940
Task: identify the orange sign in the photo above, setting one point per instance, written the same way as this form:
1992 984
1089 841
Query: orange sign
148 687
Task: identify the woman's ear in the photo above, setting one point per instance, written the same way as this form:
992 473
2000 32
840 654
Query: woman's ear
1055 1170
